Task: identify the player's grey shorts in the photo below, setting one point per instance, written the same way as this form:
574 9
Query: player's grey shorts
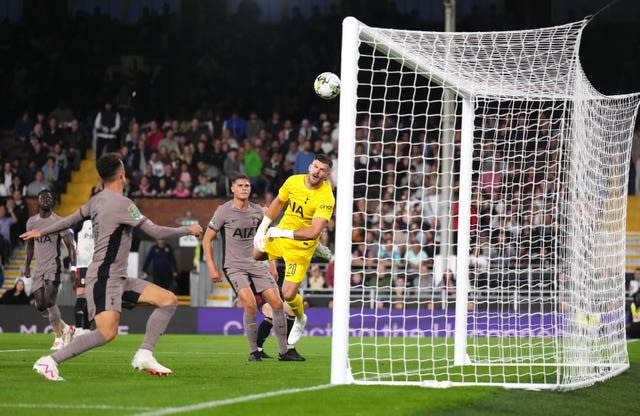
255 277
107 294
38 280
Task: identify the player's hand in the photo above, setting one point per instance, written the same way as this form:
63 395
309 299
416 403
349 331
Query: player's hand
259 241
31 234
215 274
196 230
275 232
26 271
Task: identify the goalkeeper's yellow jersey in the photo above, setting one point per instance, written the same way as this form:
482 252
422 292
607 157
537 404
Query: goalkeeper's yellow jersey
304 204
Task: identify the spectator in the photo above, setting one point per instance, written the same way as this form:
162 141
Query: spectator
162 189
194 131
19 207
232 166
634 283
7 175
23 128
6 221
181 191
203 189
414 258
253 168
51 171
236 126
17 185
163 265
53 134
316 279
37 134
253 126
107 126
38 184
633 318
153 136
76 143
169 141
185 175
60 156
38 154
145 189
304 158
16 295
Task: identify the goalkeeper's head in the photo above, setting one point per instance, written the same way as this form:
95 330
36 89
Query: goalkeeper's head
319 169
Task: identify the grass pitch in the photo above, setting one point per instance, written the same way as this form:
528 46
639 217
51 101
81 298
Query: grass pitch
212 376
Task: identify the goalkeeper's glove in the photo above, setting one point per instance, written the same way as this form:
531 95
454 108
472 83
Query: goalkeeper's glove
275 232
258 240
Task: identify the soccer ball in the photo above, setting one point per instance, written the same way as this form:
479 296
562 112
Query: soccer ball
327 85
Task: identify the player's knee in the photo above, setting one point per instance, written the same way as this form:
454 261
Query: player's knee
109 333
289 296
168 298
276 304
250 309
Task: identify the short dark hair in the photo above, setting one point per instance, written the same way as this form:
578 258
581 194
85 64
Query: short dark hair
321 157
240 176
108 166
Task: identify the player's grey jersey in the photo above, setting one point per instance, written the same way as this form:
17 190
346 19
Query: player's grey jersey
238 227
113 217
46 249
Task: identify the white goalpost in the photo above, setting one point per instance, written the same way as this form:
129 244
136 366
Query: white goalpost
480 213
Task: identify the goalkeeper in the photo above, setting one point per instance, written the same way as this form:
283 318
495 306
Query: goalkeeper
309 203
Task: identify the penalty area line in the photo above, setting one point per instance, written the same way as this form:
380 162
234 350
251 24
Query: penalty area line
234 400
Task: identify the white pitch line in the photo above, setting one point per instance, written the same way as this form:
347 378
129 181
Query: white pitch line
71 406
23 350
235 400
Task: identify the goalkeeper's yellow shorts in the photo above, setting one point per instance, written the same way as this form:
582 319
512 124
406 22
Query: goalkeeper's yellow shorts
296 255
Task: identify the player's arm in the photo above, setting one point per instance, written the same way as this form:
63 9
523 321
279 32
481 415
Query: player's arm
275 208
307 233
68 241
62 224
160 232
28 258
208 238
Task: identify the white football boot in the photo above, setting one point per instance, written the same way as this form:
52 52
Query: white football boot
48 368
297 330
144 360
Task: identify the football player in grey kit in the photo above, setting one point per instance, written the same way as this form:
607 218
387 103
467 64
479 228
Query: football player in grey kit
114 217
46 274
237 221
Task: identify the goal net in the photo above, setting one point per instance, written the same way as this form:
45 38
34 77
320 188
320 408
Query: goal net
481 210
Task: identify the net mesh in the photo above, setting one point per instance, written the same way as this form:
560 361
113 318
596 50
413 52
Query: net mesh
545 305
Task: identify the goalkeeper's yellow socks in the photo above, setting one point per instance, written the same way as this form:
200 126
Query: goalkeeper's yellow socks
296 305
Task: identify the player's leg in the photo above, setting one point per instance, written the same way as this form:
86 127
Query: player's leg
45 297
272 296
264 329
294 275
280 324
106 327
249 305
81 312
140 291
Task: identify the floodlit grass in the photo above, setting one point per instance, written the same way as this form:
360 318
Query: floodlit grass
212 376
